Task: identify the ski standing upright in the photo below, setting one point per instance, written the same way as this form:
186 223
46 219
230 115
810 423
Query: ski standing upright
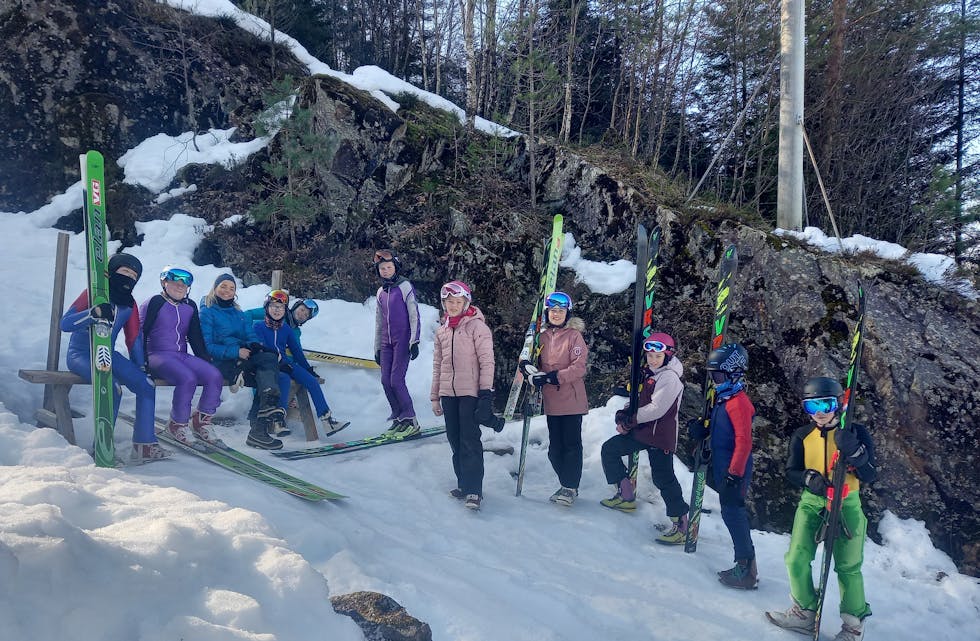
702 453
93 188
529 352
835 493
647 268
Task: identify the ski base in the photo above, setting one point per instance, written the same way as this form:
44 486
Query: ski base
340 359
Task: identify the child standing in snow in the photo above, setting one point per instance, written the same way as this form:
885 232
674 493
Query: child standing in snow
462 386
562 361
277 336
396 340
731 456
170 323
124 272
653 428
813 450
243 360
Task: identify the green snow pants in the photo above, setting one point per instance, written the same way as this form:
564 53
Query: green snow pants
848 554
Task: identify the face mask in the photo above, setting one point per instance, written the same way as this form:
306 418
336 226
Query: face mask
121 288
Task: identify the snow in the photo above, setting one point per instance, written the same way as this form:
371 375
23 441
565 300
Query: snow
599 276
183 549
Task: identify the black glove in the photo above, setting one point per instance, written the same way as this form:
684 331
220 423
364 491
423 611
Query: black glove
815 482
733 481
851 449
377 357
552 378
730 492
527 368
413 352
696 429
285 367
497 424
484 408
623 416
103 311
255 348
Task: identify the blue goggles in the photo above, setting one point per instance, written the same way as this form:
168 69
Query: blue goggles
655 346
311 305
826 405
559 300
178 276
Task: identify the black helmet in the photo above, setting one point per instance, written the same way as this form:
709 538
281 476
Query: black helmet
822 387
386 256
125 260
731 359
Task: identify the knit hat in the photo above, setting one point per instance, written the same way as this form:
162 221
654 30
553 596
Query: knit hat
222 278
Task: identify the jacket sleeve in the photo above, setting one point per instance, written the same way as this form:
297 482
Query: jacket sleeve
483 343
412 306
868 472
740 413
377 322
209 327
665 394
77 316
296 349
436 367
248 330
134 338
195 335
578 359
795 461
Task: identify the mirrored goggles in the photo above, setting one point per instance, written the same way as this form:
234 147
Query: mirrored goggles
655 346
453 289
178 276
559 300
383 256
310 304
278 295
820 405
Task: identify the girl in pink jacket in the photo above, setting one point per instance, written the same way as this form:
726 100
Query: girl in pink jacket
462 386
562 364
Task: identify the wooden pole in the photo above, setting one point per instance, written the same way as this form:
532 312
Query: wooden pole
789 182
276 279
57 309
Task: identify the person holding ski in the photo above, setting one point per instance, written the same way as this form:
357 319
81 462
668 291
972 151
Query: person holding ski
462 387
124 272
653 428
562 360
243 360
276 336
170 323
814 449
396 340
730 428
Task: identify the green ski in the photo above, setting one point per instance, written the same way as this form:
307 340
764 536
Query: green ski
93 188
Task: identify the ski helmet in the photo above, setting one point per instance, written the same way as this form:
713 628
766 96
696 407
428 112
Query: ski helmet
731 359
308 303
659 342
125 260
560 300
177 275
822 387
386 256
276 296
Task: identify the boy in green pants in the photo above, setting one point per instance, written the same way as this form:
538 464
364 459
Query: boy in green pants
812 451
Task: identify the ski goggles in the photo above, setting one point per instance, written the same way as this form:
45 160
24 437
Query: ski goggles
656 346
277 296
178 276
383 256
454 289
820 405
311 305
558 300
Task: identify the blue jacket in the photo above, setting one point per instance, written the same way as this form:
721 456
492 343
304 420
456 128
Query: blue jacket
281 339
77 318
226 330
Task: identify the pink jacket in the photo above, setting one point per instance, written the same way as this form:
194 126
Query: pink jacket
462 363
564 350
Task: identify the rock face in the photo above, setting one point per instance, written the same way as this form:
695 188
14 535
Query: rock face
78 75
381 618
458 207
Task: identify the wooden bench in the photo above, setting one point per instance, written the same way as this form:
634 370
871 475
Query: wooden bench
58 414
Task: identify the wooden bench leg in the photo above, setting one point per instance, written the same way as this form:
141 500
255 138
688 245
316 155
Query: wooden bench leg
59 414
306 412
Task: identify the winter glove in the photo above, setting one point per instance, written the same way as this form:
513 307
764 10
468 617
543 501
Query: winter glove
484 408
539 379
377 357
103 311
527 368
851 449
285 367
815 482
730 492
256 348
413 351
696 429
623 416
732 480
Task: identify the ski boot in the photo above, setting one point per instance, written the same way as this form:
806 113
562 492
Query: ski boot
148 452
180 432
202 427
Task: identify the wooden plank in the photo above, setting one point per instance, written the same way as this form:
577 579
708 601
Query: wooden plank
306 412
57 309
48 377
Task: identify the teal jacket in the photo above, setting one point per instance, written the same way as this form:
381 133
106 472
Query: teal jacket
226 330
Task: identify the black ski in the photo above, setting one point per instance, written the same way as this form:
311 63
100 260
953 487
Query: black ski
832 522
647 267
702 453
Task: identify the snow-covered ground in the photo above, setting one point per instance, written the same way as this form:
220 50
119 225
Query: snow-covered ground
182 549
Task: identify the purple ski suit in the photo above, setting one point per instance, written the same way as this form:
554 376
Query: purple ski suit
168 328
396 331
